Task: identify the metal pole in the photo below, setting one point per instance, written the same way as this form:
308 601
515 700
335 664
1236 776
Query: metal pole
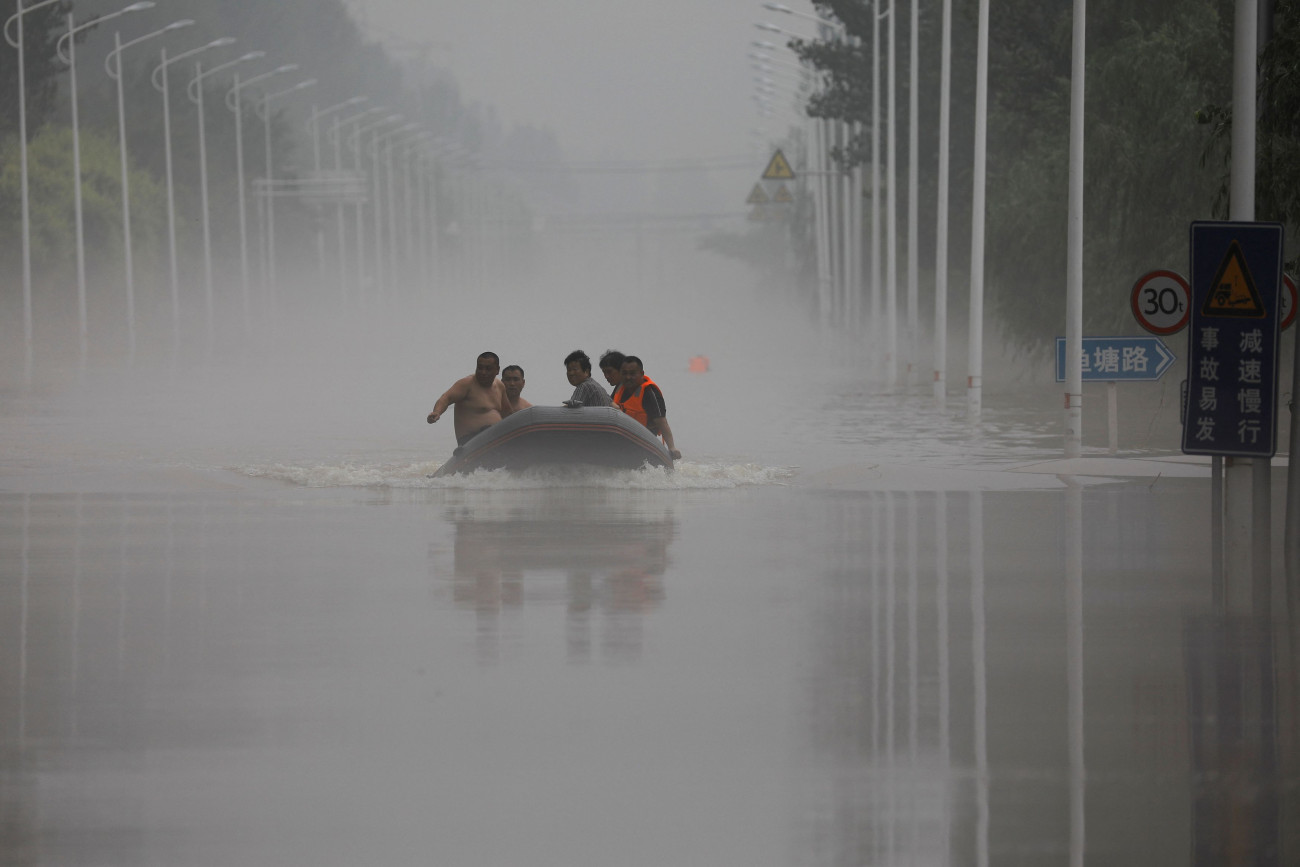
28 336
241 183
891 213
858 281
360 226
913 291
126 199
821 227
392 218
422 214
435 256
1240 473
875 171
378 215
208 300
338 211
1074 255
408 200
82 318
270 209
846 235
171 205
975 362
941 231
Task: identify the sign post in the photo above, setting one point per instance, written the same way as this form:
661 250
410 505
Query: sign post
1115 359
1236 271
1232 348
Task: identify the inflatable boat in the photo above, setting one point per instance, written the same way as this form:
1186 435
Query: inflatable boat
597 436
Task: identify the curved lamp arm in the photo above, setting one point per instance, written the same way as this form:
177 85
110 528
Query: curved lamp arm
95 22
116 53
156 77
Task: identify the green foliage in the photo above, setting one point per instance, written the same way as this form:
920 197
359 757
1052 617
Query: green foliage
41 31
1144 180
1150 66
52 205
1277 131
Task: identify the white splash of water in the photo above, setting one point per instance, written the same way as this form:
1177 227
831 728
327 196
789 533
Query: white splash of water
687 476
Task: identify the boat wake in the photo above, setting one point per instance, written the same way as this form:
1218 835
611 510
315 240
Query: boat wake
688 475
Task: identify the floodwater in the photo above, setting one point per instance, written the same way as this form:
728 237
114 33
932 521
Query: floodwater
249 629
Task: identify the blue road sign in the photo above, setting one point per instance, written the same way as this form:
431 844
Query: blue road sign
1119 359
1236 280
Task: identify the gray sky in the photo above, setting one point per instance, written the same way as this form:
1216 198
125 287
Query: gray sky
628 80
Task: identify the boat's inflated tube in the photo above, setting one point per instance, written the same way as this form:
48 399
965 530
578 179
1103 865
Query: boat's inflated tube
599 436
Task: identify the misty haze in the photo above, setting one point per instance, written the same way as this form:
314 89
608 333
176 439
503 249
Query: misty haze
901 552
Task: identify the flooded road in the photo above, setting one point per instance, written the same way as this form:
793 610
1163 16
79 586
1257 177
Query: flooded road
250 632
766 674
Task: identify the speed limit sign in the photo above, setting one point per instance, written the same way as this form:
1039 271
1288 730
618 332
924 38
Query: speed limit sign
1288 302
1159 302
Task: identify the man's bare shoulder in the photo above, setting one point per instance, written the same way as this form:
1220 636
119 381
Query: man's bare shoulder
461 386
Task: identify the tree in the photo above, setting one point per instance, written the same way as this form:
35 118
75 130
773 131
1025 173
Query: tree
1149 67
41 30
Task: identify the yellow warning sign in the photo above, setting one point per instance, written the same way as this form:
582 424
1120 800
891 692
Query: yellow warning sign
783 195
757 196
1233 292
778 169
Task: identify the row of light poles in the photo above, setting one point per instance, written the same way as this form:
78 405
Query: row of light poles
886 285
14 32
391 144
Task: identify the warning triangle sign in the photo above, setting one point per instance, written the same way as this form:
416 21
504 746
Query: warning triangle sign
778 169
783 195
1233 293
757 196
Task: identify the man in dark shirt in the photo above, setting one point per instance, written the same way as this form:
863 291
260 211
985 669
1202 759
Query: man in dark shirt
577 366
611 364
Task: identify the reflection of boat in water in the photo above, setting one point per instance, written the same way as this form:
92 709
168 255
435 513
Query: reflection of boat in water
599 436
597 556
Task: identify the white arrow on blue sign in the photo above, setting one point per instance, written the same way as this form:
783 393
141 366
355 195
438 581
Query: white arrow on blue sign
1119 359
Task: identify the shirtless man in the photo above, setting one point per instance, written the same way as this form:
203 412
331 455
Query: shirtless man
480 399
513 379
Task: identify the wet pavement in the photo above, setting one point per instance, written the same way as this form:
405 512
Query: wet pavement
248 628
766 674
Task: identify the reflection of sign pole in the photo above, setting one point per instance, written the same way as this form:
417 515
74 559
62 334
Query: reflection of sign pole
1236 277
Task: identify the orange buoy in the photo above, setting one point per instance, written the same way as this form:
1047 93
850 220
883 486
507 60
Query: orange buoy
699 364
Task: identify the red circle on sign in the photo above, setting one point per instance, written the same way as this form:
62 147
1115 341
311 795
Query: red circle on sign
1151 313
1288 285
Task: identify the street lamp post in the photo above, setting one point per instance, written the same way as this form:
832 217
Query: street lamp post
113 66
411 198
195 92
17 42
357 147
270 188
161 82
941 231
234 103
70 58
313 126
339 125
382 179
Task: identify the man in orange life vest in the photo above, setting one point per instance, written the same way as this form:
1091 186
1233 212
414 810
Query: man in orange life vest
638 396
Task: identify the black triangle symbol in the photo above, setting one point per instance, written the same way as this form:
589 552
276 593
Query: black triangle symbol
1222 299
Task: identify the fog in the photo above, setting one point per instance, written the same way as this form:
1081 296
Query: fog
244 624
